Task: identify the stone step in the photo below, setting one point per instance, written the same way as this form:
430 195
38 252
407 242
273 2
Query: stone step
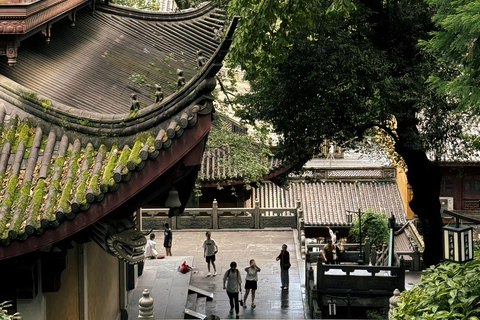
201 292
192 301
191 314
201 305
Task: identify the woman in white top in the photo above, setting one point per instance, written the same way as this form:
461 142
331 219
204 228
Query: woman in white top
251 282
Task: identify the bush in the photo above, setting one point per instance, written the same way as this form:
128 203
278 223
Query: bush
3 312
446 291
374 226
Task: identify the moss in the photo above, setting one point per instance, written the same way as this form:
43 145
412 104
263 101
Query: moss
151 144
80 194
64 202
93 184
11 133
7 202
30 96
107 178
45 103
50 211
12 185
134 155
43 143
84 122
59 161
37 200
122 160
22 204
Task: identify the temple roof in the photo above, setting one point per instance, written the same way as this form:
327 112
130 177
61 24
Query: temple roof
214 171
325 203
71 152
113 53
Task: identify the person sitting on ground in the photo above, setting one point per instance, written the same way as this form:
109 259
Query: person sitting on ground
150 248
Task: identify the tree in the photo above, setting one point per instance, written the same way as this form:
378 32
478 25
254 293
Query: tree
455 45
374 226
343 77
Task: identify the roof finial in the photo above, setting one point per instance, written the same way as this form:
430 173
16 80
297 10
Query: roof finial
180 80
134 104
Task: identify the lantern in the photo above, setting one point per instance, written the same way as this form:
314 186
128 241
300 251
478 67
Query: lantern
458 243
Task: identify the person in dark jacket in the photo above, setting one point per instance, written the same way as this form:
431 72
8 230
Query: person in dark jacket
284 258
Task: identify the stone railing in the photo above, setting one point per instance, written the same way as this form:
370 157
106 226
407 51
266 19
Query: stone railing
226 218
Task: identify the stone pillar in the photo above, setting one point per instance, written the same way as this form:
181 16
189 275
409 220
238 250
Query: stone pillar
416 258
366 252
256 215
373 255
393 302
215 214
145 306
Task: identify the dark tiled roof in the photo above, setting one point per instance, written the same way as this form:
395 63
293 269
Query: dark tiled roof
96 65
63 168
326 203
214 171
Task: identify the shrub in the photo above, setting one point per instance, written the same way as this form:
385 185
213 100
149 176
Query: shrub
374 226
446 291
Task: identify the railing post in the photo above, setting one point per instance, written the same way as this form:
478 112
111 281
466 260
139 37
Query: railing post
373 255
366 252
257 216
416 258
173 222
393 302
145 306
215 214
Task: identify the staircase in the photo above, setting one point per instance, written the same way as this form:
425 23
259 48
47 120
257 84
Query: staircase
196 303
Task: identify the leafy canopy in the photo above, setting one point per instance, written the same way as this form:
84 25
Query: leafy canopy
374 226
455 45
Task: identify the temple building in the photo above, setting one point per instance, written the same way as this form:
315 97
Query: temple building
103 109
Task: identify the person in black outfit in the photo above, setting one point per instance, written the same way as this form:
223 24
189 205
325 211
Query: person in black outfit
284 258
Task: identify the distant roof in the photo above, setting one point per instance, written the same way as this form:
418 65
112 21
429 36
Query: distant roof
213 171
351 158
326 203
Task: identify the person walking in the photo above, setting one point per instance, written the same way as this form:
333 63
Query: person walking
284 258
167 240
234 284
150 248
210 248
251 282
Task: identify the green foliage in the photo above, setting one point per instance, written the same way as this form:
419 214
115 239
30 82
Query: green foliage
122 160
455 45
135 153
22 204
107 178
374 226
3 311
246 154
447 291
37 200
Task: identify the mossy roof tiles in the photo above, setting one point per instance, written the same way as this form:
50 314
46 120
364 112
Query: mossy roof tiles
66 155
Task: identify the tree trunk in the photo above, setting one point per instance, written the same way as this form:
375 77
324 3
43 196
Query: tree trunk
424 178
